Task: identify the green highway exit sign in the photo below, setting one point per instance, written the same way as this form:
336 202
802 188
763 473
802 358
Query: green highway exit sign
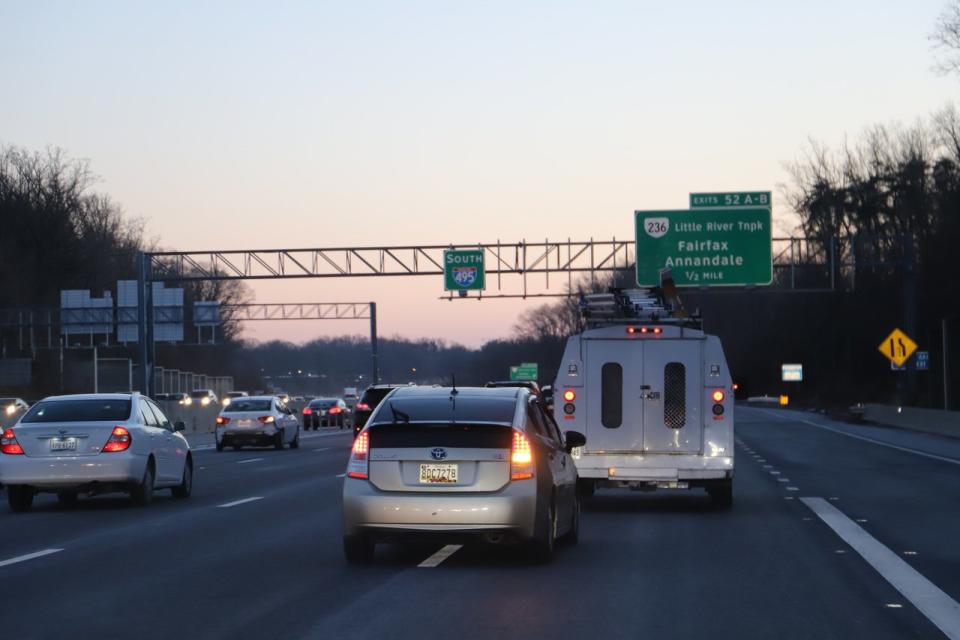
727 246
733 199
525 371
463 270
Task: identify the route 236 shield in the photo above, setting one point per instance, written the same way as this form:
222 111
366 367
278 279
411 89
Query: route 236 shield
465 276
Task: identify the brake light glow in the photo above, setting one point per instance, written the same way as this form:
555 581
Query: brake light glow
521 458
119 440
644 330
9 444
569 395
223 420
657 330
266 419
363 406
631 330
334 410
718 395
307 411
358 467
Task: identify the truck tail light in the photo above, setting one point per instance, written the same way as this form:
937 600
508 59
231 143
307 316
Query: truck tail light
718 395
359 465
521 458
569 395
9 444
119 440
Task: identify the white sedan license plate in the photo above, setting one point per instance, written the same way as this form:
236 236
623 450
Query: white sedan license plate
438 474
66 444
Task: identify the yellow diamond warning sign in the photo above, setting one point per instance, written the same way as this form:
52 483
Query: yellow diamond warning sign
898 347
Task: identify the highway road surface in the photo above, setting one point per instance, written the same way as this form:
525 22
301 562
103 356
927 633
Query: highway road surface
837 531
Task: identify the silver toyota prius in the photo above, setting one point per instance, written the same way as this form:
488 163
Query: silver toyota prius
474 462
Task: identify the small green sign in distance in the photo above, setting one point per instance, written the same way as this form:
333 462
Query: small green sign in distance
705 247
526 371
463 270
732 199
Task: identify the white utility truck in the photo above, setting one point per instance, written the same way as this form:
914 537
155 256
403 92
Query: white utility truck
653 395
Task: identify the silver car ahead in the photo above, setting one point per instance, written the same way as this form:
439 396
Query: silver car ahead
94 443
474 462
260 421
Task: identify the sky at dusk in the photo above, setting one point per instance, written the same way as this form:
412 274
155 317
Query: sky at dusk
235 125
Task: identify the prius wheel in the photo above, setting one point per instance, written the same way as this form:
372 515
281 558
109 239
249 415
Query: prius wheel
296 441
358 549
573 535
67 498
142 494
185 488
543 547
20 498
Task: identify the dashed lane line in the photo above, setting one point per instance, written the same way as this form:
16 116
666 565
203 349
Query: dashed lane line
249 460
29 556
440 556
942 610
238 502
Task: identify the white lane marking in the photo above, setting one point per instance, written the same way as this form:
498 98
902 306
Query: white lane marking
323 449
341 475
440 556
236 502
783 479
942 610
249 460
793 488
29 556
866 439
774 473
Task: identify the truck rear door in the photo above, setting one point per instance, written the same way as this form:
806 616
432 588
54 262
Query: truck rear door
671 394
613 404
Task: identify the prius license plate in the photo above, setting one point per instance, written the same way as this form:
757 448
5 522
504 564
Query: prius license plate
438 474
64 444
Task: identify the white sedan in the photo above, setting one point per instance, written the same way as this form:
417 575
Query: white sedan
260 421
91 444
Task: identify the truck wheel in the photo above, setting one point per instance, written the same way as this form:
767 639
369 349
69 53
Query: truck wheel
586 488
721 493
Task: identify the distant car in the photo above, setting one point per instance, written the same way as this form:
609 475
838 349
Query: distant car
13 406
467 462
371 397
257 421
322 412
91 444
299 399
204 397
230 395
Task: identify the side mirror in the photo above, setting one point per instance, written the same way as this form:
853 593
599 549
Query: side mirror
574 439
179 426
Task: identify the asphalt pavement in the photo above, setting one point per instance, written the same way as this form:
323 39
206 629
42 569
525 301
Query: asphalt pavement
836 532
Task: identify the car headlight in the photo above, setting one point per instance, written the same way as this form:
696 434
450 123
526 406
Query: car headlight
11 410
205 401
187 401
226 402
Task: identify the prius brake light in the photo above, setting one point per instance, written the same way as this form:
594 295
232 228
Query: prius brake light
119 440
266 419
521 458
358 467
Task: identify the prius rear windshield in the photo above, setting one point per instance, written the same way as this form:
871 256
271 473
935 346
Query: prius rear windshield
442 409
78 411
242 404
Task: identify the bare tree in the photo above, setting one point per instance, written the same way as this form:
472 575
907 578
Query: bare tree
946 39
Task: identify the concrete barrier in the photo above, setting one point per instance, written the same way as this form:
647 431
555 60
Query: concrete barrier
941 423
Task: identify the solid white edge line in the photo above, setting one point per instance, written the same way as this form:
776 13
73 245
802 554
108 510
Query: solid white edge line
942 610
236 502
864 438
29 556
440 556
